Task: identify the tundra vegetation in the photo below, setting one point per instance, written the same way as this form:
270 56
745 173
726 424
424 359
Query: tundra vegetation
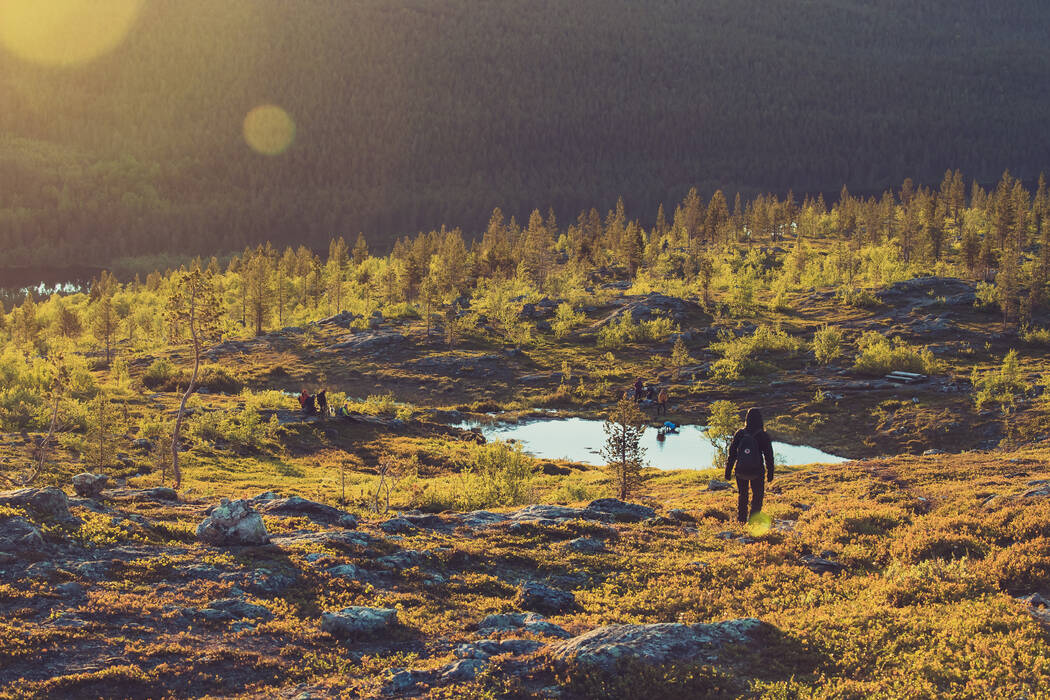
927 555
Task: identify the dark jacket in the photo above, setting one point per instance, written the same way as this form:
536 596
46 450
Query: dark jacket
764 444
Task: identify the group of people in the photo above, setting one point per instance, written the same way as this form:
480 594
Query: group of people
647 395
314 404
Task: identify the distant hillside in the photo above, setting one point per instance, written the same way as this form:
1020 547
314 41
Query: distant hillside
415 113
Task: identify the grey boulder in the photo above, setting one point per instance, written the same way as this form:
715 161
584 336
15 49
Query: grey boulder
358 621
616 509
233 523
658 643
540 598
89 485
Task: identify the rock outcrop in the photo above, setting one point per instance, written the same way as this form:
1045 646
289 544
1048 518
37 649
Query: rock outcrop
318 512
615 509
48 503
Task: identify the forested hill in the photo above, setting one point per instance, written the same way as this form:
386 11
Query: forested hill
414 113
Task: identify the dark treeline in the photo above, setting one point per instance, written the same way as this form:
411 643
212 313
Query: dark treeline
411 114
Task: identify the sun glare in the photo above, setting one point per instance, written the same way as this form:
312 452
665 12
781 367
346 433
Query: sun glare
759 524
269 129
65 32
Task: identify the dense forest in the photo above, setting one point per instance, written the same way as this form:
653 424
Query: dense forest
734 257
413 113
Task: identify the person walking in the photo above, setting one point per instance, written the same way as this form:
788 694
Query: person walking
751 447
322 402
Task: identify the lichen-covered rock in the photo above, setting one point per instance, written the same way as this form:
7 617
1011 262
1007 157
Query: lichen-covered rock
463 671
318 512
657 643
238 609
358 621
619 510
396 526
233 523
21 537
529 622
347 571
538 597
48 503
89 485
549 512
156 493
587 545
718 485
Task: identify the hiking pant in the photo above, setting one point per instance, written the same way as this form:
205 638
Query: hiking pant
758 486
661 409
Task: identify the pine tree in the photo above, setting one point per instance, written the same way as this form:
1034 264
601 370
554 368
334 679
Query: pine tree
679 357
258 287
106 430
103 314
624 428
360 249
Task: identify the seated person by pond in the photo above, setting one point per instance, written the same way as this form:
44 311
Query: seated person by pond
308 403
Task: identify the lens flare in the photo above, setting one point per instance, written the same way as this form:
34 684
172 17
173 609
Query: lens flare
759 524
269 130
65 32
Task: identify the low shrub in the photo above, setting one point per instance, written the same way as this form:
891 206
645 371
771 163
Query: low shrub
827 344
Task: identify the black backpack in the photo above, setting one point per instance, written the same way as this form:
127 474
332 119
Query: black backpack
748 456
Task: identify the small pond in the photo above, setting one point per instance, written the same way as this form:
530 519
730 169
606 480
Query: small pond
580 439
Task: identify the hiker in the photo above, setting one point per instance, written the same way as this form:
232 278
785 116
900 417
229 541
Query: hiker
322 402
661 402
650 393
638 385
751 447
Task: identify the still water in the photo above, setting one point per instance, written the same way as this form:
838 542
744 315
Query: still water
580 439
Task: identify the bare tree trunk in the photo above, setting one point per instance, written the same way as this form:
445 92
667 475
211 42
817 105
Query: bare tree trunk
175 470
45 443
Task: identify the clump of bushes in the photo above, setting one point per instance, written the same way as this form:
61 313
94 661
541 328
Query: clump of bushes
566 319
743 356
625 330
242 429
998 386
880 355
162 375
498 474
856 297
